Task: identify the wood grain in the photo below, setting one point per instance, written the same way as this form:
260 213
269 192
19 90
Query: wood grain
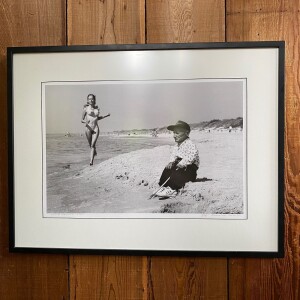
107 22
44 22
96 22
180 21
273 278
187 278
32 276
191 277
27 276
107 277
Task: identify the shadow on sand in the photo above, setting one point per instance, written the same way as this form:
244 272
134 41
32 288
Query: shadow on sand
203 179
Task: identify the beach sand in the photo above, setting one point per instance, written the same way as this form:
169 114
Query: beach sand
123 184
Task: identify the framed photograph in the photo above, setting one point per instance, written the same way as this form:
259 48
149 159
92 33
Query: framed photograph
173 149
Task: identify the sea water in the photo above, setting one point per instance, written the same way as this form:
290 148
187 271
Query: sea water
73 152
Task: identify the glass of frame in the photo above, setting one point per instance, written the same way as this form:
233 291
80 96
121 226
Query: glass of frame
159 149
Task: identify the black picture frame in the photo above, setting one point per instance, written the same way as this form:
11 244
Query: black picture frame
33 58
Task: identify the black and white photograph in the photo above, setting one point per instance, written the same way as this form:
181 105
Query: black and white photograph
173 148
145 149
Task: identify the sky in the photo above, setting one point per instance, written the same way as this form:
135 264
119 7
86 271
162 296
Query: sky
142 104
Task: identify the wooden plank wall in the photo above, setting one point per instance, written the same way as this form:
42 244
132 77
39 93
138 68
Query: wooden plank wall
273 20
70 22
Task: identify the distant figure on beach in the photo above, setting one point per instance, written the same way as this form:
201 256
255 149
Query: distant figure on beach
183 164
90 117
154 133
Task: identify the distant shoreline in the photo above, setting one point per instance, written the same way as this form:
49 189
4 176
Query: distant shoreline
215 124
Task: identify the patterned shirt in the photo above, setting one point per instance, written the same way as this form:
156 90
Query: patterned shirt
188 153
